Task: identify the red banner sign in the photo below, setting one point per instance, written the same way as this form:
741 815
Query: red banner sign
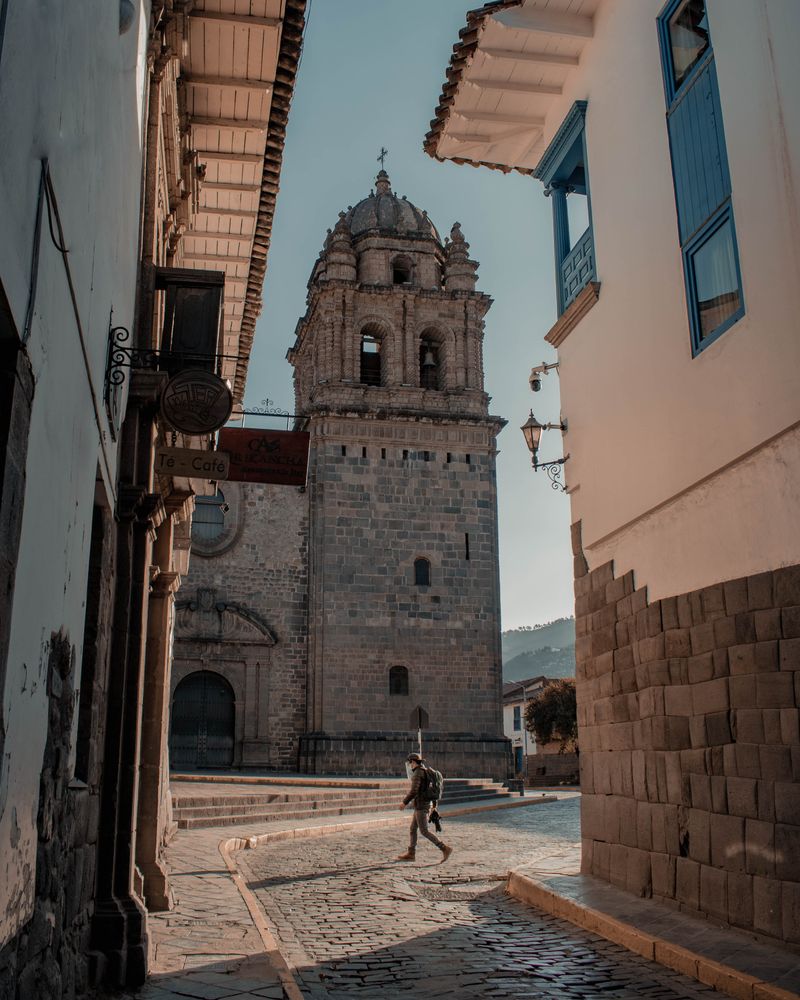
261 456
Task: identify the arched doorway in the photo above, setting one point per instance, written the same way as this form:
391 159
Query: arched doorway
202 722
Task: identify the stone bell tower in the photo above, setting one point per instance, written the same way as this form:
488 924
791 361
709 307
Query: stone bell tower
403 571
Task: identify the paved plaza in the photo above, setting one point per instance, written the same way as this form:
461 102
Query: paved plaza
354 923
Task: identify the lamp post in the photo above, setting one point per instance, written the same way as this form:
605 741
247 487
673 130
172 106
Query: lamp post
532 432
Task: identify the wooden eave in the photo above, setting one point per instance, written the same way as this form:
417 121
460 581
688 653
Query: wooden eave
505 78
237 82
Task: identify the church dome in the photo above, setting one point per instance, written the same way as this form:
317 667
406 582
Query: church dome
383 210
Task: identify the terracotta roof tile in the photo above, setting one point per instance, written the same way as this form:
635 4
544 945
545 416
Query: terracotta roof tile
462 52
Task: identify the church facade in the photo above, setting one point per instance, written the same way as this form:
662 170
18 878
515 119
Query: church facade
316 621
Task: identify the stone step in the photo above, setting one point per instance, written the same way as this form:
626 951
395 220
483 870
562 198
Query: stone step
213 801
185 811
182 800
291 813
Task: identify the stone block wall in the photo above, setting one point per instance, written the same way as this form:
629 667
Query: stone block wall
545 769
385 754
263 573
689 718
383 495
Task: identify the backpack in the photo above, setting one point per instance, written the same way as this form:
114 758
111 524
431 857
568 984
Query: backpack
434 785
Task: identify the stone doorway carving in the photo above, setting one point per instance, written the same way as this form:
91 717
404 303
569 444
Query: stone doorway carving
203 720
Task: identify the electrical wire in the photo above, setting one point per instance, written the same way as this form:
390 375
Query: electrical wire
60 244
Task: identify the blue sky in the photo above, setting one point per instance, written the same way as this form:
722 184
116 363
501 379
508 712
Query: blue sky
371 75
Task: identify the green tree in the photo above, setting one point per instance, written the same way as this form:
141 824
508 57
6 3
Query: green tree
553 715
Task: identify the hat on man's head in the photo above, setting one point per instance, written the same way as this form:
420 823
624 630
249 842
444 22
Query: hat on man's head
414 756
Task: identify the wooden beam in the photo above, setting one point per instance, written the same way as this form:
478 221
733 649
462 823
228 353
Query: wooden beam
202 80
237 125
488 140
221 258
247 20
547 21
513 86
205 234
224 186
234 213
538 58
499 117
215 154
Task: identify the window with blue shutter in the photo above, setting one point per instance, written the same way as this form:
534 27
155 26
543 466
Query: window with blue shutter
700 172
563 171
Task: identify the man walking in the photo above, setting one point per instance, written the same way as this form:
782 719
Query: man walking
422 806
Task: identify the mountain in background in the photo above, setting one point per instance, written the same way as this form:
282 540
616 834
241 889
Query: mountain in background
547 650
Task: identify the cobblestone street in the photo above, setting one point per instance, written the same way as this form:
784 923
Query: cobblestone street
354 923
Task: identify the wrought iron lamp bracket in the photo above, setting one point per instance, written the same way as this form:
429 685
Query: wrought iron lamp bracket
554 471
122 357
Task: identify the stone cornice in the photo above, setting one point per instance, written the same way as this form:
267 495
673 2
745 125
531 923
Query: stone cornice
178 504
573 314
408 415
165 583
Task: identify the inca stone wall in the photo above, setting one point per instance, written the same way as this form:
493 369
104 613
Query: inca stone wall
690 743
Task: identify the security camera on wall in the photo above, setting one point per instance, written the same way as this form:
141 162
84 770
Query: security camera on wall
535 379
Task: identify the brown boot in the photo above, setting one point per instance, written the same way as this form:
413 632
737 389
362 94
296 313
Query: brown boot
410 855
446 852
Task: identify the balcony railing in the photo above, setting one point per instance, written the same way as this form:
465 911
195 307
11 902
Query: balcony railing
577 269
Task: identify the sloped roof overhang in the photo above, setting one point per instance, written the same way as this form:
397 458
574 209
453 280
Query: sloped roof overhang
506 74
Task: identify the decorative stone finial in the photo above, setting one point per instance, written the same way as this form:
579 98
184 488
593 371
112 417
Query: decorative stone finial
382 183
459 271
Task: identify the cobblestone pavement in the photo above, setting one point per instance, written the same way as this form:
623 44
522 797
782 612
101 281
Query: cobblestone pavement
356 924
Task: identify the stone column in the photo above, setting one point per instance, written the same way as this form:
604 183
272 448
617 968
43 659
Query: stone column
152 812
119 924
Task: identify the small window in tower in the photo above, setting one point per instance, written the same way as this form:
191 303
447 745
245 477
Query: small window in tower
363 452
398 681
370 360
466 545
383 453
344 451
468 459
429 367
401 271
405 454
422 573
449 458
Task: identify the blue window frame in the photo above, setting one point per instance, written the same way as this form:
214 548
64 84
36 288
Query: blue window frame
700 172
564 172
517 718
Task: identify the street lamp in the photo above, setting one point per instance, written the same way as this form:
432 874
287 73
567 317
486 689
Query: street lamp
532 432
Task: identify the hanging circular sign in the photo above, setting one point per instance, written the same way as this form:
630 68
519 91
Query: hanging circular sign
196 401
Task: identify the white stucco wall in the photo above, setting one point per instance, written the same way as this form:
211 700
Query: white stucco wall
515 735
71 90
657 439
